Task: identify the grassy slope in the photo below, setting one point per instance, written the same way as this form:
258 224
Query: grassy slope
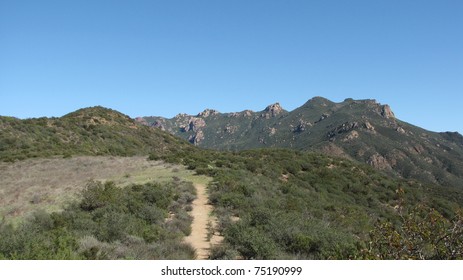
49 184
140 211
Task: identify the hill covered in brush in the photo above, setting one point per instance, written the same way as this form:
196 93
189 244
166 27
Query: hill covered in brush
89 131
362 130
286 204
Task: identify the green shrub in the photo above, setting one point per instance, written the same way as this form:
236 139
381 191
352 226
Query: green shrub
250 242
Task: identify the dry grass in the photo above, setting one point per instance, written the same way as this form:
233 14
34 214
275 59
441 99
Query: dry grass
48 184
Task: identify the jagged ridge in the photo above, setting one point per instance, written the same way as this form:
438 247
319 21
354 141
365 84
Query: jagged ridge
364 130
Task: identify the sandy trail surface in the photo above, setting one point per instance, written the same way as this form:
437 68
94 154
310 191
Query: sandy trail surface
202 219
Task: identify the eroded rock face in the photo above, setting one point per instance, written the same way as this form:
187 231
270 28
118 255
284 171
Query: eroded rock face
196 124
344 128
386 112
323 117
272 111
302 126
142 121
401 130
379 162
207 113
369 126
192 124
351 136
272 131
197 138
417 149
230 129
159 125
246 113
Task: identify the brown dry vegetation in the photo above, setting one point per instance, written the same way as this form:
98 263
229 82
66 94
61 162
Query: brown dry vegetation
48 184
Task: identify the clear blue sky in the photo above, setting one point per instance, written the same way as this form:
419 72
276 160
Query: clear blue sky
165 57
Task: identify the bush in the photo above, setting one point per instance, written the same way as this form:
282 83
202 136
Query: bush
108 223
424 234
250 242
97 195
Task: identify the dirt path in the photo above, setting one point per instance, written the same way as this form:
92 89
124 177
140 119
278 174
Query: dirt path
199 228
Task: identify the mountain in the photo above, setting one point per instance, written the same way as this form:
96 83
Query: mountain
89 131
268 203
363 130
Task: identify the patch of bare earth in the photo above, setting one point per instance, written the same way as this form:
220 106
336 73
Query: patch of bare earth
202 236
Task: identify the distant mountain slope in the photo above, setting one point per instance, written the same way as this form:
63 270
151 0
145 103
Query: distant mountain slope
90 131
363 130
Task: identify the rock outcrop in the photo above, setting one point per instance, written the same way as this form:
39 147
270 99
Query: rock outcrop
302 126
193 124
272 111
230 129
386 112
208 112
142 121
197 138
369 126
158 124
379 162
344 128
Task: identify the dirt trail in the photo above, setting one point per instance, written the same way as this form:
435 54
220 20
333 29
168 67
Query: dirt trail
199 228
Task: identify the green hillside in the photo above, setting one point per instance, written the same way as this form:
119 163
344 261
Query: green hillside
285 204
363 130
90 131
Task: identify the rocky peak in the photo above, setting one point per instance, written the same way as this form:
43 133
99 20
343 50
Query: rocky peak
194 124
208 112
386 112
248 113
181 116
273 110
319 101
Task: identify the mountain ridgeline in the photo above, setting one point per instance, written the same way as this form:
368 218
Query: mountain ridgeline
293 201
89 131
361 130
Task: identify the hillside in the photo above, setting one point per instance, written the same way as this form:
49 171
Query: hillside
363 130
271 203
286 204
89 131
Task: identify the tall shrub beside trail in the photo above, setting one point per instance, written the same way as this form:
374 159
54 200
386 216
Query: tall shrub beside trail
424 234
